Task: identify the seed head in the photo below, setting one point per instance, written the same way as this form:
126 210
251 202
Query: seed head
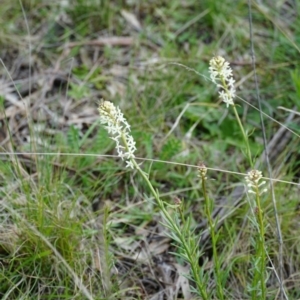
202 171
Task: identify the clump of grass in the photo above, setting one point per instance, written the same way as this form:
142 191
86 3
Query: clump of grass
51 236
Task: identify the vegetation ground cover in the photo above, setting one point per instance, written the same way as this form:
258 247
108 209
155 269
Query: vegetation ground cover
75 222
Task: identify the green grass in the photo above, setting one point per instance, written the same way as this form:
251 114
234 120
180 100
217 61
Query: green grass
77 224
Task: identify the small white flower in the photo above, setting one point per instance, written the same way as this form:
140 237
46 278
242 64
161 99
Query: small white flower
221 75
129 164
119 130
227 99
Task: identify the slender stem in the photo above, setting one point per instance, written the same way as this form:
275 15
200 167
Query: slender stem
225 86
244 136
211 223
260 253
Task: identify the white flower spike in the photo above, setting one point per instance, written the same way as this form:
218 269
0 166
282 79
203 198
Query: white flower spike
221 75
119 130
252 179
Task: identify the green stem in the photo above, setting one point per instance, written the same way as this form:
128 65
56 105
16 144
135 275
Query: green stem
240 124
260 253
244 136
214 240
